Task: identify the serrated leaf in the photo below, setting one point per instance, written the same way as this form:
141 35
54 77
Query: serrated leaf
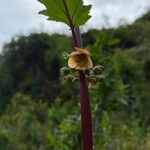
71 12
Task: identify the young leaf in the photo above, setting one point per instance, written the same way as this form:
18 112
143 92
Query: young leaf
71 12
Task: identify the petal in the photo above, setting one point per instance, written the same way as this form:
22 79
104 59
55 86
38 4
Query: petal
74 53
79 67
80 62
72 63
90 63
83 51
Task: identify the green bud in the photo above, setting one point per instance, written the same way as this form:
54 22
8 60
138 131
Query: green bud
97 70
64 71
91 74
92 79
100 78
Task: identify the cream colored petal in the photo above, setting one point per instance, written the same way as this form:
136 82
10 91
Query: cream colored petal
90 63
72 63
77 63
81 66
78 67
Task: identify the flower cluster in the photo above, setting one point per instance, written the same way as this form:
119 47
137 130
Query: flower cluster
94 76
80 60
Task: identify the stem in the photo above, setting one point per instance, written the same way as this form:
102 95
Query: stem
86 122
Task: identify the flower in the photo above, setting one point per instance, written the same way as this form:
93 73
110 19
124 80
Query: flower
80 59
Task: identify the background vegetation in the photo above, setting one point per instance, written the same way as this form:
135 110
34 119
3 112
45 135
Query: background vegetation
39 111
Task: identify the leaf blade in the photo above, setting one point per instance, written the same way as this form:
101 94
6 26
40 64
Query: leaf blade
75 15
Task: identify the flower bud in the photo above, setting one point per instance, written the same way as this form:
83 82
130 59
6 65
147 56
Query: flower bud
97 70
91 74
64 71
92 80
100 78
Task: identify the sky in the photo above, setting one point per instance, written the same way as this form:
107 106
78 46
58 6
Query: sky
21 16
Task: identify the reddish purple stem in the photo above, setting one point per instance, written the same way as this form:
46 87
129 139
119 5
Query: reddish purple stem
86 122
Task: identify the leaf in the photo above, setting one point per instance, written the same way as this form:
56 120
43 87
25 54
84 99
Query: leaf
71 12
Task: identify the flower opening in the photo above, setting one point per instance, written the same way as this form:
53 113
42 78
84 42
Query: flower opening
80 59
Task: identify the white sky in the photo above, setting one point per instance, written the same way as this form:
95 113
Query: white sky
21 16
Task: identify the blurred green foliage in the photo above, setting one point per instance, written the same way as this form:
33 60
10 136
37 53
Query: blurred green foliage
39 111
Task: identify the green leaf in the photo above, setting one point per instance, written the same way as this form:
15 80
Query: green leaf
71 12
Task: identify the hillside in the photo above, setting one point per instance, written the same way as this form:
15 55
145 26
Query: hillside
36 104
